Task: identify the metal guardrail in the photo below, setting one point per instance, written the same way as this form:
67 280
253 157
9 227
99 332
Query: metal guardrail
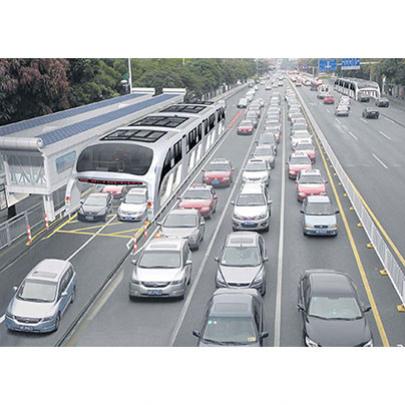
393 269
21 225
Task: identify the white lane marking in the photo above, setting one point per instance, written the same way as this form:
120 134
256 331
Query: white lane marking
352 135
385 135
327 111
364 120
2 318
277 320
338 121
90 239
390 120
190 294
379 161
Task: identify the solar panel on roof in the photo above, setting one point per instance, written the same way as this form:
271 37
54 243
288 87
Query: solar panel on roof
157 121
74 129
143 135
189 109
199 102
46 119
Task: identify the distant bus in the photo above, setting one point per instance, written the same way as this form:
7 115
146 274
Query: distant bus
353 87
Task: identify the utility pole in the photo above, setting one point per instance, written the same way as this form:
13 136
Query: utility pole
129 75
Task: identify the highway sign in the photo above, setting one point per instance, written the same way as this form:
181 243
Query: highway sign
351 64
327 65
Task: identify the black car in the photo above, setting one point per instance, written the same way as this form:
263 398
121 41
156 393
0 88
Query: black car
96 207
370 112
332 312
382 102
233 318
363 98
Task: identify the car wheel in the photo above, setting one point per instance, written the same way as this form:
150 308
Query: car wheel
73 297
266 229
57 322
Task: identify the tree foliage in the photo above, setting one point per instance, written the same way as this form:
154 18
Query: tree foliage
32 87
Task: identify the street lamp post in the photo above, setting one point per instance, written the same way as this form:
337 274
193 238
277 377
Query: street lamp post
129 75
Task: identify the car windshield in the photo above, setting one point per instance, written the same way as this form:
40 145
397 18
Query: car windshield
230 329
311 179
197 195
246 123
300 160
218 167
304 146
96 200
241 256
37 291
181 221
334 308
251 200
319 208
160 259
301 135
256 167
263 152
135 199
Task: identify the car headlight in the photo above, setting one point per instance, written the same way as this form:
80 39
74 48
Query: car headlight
258 278
310 343
193 237
369 343
236 216
48 318
334 226
178 282
261 216
220 278
9 315
134 279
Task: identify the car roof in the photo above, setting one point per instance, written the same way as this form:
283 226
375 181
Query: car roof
49 270
165 244
244 238
139 190
200 187
252 188
220 160
184 211
104 195
330 282
233 302
311 172
318 199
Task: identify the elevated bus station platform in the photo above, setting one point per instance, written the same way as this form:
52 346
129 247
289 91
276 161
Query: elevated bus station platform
38 154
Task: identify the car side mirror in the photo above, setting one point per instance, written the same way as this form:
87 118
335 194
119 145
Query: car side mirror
134 260
202 221
300 307
64 294
301 211
81 202
326 181
337 212
366 308
196 333
232 202
269 202
189 262
264 335
265 258
15 288
178 198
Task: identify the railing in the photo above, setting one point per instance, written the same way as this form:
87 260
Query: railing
393 269
21 225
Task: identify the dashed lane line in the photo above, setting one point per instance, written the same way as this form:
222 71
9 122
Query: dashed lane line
352 135
379 161
385 135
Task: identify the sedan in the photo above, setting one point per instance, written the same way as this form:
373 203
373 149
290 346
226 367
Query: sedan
267 153
331 310
308 148
342 111
187 224
363 98
256 170
382 102
246 127
219 173
329 99
299 136
96 207
319 216
203 198
297 163
241 263
117 192
370 112
233 318
309 183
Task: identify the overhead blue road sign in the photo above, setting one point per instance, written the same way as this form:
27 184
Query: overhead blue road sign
351 64
327 65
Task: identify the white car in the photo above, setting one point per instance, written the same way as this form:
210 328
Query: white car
133 208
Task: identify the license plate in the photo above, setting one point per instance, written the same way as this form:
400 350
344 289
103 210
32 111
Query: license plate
27 328
155 292
249 223
89 217
215 182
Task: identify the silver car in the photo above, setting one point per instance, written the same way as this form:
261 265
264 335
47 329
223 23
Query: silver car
298 136
184 223
319 216
163 269
251 115
252 209
256 170
42 298
133 208
267 153
241 263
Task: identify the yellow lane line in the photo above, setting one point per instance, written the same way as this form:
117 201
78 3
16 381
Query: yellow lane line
61 226
376 313
92 234
126 231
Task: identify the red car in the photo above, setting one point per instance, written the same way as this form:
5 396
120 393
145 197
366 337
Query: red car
246 127
218 173
328 99
310 182
115 191
200 197
308 148
298 162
